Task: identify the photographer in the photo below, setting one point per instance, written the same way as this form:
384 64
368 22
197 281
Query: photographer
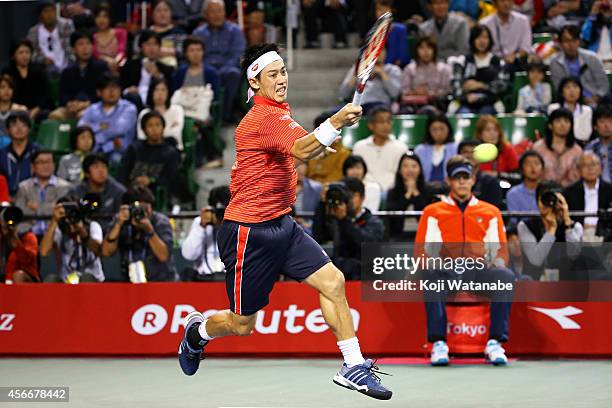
200 246
342 218
37 194
537 235
98 181
18 251
77 238
143 238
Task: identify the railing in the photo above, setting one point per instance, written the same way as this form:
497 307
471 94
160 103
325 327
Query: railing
188 215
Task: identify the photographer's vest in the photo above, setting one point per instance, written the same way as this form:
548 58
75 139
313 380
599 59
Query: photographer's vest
556 259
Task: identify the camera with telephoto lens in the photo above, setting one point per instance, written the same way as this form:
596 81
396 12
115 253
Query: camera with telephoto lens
137 211
549 198
337 193
10 214
79 211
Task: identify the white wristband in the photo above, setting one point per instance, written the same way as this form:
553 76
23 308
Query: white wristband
326 134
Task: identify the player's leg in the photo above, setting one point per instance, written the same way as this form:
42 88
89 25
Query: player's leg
329 282
435 310
306 261
501 302
252 264
228 323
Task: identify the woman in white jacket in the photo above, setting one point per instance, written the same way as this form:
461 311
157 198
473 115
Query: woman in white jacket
570 97
158 99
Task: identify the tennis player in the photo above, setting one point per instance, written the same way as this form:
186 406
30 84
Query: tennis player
258 239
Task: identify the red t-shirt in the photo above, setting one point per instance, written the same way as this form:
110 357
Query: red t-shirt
263 179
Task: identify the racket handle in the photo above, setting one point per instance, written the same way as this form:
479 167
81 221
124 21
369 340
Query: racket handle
357 98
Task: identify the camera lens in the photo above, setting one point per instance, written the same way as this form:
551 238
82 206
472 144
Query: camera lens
549 199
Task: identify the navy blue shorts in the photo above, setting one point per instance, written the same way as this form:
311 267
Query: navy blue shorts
255 255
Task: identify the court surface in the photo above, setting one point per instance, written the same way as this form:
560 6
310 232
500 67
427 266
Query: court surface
223 382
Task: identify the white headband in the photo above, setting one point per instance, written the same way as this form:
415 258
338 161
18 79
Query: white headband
258 65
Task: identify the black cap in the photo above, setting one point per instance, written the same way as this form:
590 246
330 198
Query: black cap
458 168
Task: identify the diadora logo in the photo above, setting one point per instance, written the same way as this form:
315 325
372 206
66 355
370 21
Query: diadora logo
6 321
561 316
471 330
152 318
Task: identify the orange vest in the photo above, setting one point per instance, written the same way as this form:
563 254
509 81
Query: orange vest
478 231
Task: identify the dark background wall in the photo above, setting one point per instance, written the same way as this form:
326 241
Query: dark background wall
16 17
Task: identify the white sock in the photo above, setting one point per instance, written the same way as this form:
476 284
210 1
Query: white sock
202 331
351 352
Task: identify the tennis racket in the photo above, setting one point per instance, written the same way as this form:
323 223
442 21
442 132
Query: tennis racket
374 44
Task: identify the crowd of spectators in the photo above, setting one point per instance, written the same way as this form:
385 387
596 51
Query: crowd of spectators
129 91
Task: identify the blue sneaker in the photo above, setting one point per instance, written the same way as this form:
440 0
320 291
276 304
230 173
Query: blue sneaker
439 354
189 359
363 378
495 353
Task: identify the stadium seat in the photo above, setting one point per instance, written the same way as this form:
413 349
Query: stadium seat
609 73
410 129
54 91
412 41
520 80
464 126
161 199
521 127
540 38
351 135
190 139
55 135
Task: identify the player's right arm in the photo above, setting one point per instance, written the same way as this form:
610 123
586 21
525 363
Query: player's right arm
279 133
309 146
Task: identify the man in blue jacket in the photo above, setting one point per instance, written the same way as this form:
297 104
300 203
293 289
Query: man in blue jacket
113 119
224 43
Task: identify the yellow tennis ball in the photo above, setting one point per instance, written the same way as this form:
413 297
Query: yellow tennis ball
485 152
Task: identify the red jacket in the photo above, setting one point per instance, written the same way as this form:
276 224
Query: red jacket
4 193
506 161
24 258
480 225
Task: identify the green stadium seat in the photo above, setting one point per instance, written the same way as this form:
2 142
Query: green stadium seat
55 135
542 38
161 199
353 134
464 126
190 138
54 91
412 41
520 80
410 129
520 127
